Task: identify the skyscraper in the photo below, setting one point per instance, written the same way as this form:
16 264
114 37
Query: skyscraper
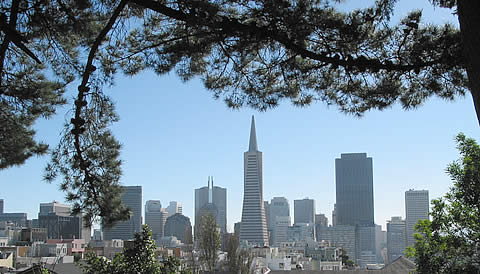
132 198
173 208
211 200
155 218
1 206
395 238
416 208
278 220
179 226
354 201
254 225
354 189
304 211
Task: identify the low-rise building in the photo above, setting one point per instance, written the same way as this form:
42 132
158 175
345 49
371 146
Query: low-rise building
51 250
75 247
31 235
107 248
3 241
6 260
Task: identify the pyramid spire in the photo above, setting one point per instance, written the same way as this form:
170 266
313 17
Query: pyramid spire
253 137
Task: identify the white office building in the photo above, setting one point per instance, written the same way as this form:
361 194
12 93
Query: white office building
416 208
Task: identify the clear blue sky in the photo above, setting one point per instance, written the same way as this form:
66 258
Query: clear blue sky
175 135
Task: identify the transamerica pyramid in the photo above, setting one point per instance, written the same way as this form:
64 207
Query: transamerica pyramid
253 227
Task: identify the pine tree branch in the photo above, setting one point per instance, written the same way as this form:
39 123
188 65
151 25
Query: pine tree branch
6 40
80 103
231 26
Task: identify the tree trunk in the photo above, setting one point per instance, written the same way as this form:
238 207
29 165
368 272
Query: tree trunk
469 19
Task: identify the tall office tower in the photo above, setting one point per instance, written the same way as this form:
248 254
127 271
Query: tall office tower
211 200
1 206
416 208
321 219
278 219
304 211
179 226
173 208
132 198
155 218
254 224
395 238
334 215
354 200
279 206
354 189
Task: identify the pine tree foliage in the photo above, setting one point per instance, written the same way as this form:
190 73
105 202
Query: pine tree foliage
450 243
248 53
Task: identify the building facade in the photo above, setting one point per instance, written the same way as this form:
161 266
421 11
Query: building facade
179 226
354 189
278 220
56 218
173 208
18 219
321 219
61 226
396 238
125 230
354 201
304 211
301 232
211 200
155 218
334 215
280 231
54 207
254 224
342 236
416 208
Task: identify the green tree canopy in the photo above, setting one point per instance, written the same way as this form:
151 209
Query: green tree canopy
450 243
139 258
208 241
248 53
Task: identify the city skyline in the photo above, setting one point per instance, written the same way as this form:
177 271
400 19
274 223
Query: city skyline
174 125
